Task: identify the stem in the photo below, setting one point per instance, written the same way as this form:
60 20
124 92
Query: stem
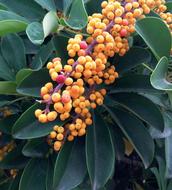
146 66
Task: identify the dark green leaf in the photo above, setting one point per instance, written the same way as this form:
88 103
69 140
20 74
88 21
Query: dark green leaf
132 83
28 127
8 88
136 133
28 9
11 23
48 4
137 105
146 29
35 148
33 89
78 16
158 77
17 59
23 73
133 58
34 175
66 175
35 33
100 153
50 173
14 159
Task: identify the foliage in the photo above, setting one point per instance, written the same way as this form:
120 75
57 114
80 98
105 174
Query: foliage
133 126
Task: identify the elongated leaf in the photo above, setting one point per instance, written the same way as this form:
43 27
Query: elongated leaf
71 155
136 133
99 152
35 33
131 59
78 16
137 104
34 175
17 59
50 23
33 88
50 173
23 73
11 23
132 83
35 148
8 88
14 159
6 72
48 4
28 127
146 27
15 183
28 9
158 77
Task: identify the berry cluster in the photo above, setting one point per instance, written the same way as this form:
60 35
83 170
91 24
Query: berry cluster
73 93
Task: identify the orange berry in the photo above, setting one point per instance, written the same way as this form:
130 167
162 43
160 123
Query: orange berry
50 65
100 39
88 121
58 68
60 129
70 138
46 97
56 97
42 118
60 137
51 116
57 145
71 127
38 112
79 68
92 97
68 68
54 76
68 81
44 90
49 86
81 132
53 135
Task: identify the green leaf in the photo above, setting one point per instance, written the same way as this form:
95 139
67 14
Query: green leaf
100 153
132 83
28 9
28 127
168 148
35 33
34 175
158 77
94 7
50 173
71 155
66 6
8 88
78 17
147 28
137 105
35 148
15 183
133 58
23 73
17 59
43 55
33 88
136 133
14 159
169 6
50 23
11 23
7 123
48 4
6 72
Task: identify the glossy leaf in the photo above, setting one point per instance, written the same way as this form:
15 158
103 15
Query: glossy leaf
14 159
23 73
99 152
48 4
134 57
137 105
17 59
78 16
70 156
136 133
50 173
34 175
132 83
50 23
35 33
158 77
33 89
11 23
35 148
28 127
146 29
8 88
28 9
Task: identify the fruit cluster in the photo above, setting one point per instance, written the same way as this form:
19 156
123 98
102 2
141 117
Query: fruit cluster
73 92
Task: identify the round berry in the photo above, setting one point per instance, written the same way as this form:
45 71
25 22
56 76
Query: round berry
83 45
123 33
66 98
60 79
